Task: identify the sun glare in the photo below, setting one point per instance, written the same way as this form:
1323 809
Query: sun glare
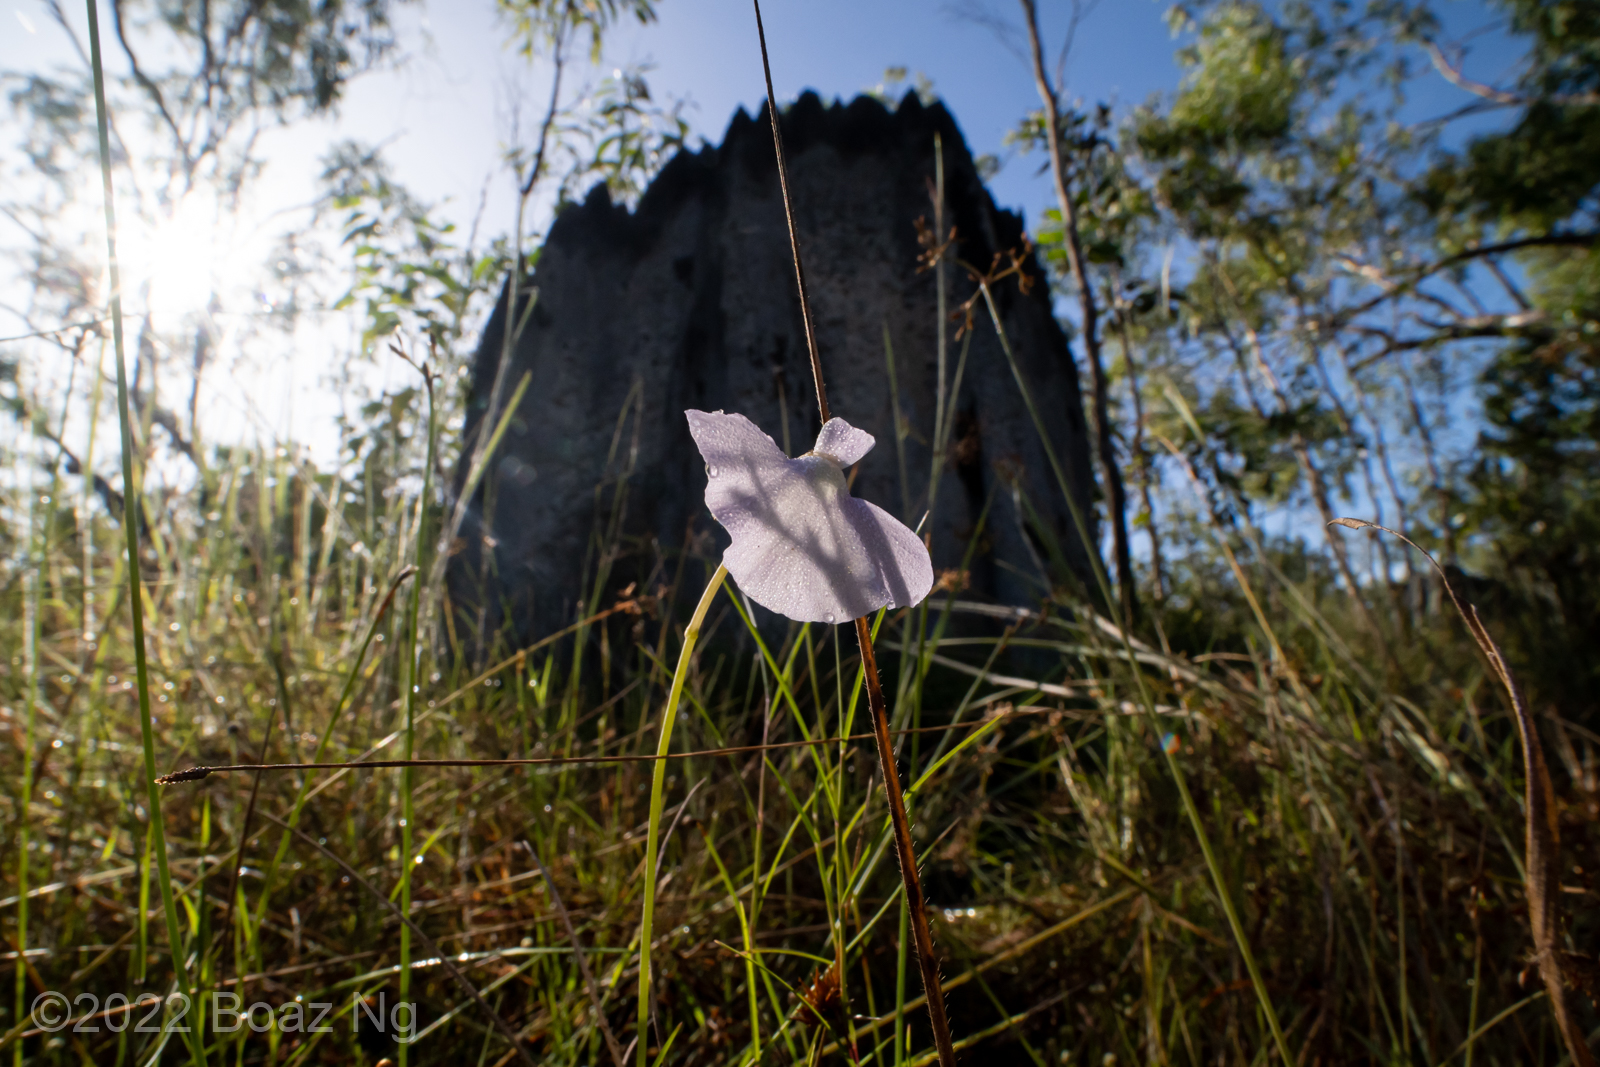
175 267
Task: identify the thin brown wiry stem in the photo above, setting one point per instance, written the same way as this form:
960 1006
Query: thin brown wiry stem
618 1056
905 850
244 837
195 774
263 765
794 236
1543 844
928 962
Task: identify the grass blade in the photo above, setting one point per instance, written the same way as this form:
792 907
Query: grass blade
130 526
30 666
1224 895
411 672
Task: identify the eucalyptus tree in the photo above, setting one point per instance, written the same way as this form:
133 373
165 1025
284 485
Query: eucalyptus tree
1346 300
199 85
1327 276
1525 202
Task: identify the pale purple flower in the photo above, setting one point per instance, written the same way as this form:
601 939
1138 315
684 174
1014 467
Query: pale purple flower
802 545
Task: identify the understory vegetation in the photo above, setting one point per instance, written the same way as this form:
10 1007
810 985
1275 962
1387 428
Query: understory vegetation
1294 297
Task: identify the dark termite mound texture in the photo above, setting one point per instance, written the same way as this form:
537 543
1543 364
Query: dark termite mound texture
689 301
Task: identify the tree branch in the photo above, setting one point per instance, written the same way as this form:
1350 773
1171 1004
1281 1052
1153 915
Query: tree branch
1452 74
1573 239
1479 326
558 57
1116 497
151 87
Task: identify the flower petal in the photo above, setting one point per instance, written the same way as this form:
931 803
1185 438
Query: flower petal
733 441
843 442
802 545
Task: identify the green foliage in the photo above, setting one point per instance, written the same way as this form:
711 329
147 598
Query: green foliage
1307 291
1536 494
1533 490
897 82
1537 176
1240 95
274 53
223 65
620 136
412 276
198 80
57 124
1241 86
540 27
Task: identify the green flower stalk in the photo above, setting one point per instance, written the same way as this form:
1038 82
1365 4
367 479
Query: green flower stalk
658 782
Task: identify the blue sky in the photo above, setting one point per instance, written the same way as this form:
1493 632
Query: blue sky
447 113
444 115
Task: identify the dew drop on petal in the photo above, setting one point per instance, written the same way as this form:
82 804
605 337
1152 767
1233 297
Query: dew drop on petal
828 618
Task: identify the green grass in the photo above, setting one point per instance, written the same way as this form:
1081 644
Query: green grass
1368 825
1246 826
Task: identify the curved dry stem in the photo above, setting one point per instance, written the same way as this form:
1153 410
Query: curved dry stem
1543 847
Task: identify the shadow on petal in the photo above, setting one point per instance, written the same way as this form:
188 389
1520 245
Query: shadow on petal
802 545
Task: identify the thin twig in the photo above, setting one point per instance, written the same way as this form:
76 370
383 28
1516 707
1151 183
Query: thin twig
149 85
1451 73
1077 260
244 836
427 942
558 59
677 817
618 1057
195 774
